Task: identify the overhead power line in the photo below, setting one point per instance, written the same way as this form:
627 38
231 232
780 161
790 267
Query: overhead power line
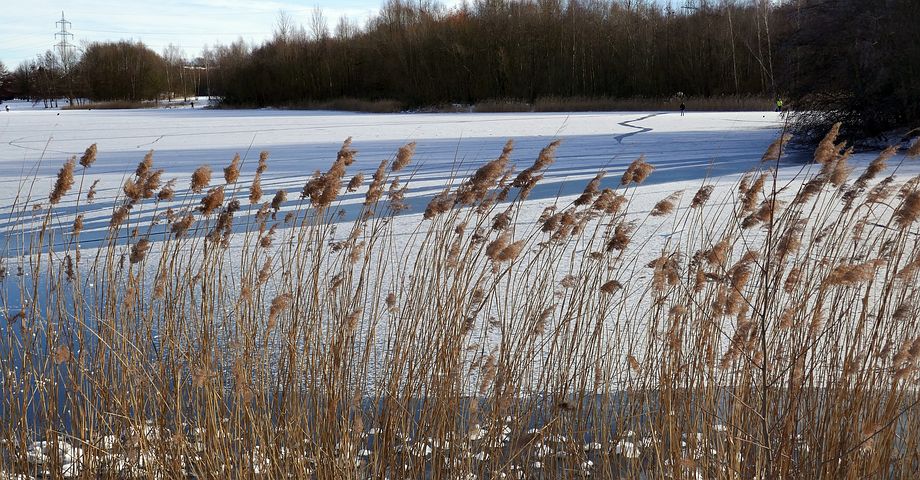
65 49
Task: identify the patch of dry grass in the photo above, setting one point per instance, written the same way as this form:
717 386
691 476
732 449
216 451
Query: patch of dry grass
110 105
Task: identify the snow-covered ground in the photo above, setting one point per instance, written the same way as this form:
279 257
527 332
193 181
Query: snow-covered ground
37 142
712 147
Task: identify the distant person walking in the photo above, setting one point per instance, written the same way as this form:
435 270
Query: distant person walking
779 105
7 108
682 108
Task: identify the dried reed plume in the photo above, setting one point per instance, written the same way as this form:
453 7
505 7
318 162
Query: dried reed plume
232 171
375 189
201 177
323 189
145 165
909 210
485 177
637 172
77 225
279 304
702 196
828 150
751 195
139 250
263 162
836 170
510 252
151 183
876 166
768 210
776 148
61 354
64 181
611 286
530 175
255 190
268 238
791 240
347 154
440 203
168 192
718 254
495 248
609 202
403 157
89 156
501 221
181 226
265 271
590 190
666 272
91 194
622 235
278 200
355 182
914 150
391 300
212 200
119 216
811 188
667 204
848 274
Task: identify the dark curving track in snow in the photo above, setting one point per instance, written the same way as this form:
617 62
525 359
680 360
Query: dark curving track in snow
629 124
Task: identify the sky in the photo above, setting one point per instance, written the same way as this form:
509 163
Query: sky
27 27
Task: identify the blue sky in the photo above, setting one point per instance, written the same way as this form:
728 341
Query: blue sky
27 27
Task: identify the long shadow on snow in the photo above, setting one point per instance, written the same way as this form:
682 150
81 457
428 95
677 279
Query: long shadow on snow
684 156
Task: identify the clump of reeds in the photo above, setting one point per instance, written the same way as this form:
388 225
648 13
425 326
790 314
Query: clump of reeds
772 334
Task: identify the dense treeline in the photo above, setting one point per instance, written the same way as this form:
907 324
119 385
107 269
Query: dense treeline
850 60
853 61
128 71
122 71
6 90
421 55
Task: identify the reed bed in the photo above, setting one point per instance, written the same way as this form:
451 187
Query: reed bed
231 332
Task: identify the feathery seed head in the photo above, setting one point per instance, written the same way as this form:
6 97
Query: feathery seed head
64 181
201 177
403 157
232 171
89 156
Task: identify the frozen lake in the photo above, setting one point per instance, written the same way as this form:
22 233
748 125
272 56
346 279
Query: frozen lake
35 142
683 148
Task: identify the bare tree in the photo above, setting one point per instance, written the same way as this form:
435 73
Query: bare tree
284 26
319 28
175 60
345 29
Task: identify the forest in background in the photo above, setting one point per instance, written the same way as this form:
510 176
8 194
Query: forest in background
851 60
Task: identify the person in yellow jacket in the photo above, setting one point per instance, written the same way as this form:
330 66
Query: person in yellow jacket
779 104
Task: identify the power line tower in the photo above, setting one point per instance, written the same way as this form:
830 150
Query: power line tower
65 49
